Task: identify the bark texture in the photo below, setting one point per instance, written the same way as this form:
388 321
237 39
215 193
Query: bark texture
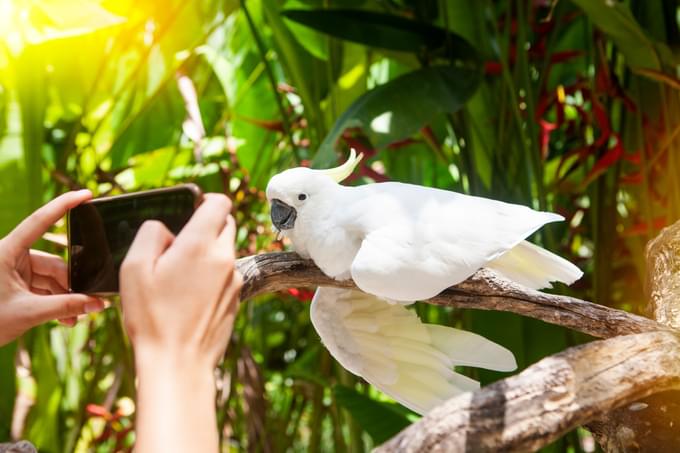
652 423
663 276
649 424
18 447
527 411
483 291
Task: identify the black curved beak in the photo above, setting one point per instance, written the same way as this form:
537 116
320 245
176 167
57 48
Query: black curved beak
283 216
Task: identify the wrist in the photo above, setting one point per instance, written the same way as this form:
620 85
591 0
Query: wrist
184 369
149 355
167 381
175 404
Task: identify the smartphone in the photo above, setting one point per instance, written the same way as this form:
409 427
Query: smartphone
101 231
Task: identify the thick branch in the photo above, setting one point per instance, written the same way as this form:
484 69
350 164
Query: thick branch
654 425
483 291
553 396
663 276
648 424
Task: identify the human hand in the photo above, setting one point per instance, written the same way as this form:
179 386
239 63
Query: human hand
33 284
179 298
179 295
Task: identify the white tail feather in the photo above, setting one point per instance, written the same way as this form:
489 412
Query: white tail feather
393 350
534 267
469 349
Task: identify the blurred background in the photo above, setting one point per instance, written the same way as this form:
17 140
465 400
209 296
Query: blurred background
563 105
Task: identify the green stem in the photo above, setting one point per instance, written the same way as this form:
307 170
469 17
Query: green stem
318 409
524 68
356 443
466 162
297 63
436 149
272 80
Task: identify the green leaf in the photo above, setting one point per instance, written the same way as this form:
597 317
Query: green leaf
14 187
224 70
31 89
155 124
8 388
385 31
4 106
313 41
416 163
16 195
616 20
62 18
380 420
402 106
307 367
298 64
43 420
151 169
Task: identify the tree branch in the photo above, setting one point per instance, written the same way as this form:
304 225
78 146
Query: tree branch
653 426
551 397
483 291
524 412
663 276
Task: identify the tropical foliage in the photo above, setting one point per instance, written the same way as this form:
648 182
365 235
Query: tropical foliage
569 106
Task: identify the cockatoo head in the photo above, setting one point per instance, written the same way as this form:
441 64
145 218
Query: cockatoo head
295 192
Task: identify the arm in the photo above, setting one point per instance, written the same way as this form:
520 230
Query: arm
34 285
176 404
179 298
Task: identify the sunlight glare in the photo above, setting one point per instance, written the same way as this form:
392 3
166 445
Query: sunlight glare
382 123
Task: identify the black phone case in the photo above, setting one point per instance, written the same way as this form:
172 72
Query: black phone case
101 231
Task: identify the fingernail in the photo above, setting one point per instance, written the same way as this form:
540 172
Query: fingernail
94 306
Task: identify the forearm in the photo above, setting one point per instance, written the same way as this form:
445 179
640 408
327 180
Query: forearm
175 406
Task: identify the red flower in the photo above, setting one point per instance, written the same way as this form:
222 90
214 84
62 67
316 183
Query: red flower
96 410
303 295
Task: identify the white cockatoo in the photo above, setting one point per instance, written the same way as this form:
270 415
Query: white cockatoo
403 243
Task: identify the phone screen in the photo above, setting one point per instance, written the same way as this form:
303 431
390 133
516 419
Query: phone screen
101 232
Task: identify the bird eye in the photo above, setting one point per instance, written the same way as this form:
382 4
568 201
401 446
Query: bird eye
302 197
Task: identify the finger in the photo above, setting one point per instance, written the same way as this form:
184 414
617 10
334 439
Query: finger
152 239
229 305
230 298
69 322
228 235
40 309
50 266
40 282
208 220
37 224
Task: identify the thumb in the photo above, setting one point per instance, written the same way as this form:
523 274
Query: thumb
41 309
35 225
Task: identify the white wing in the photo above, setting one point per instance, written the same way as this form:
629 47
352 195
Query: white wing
534 267
393 350
419 241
